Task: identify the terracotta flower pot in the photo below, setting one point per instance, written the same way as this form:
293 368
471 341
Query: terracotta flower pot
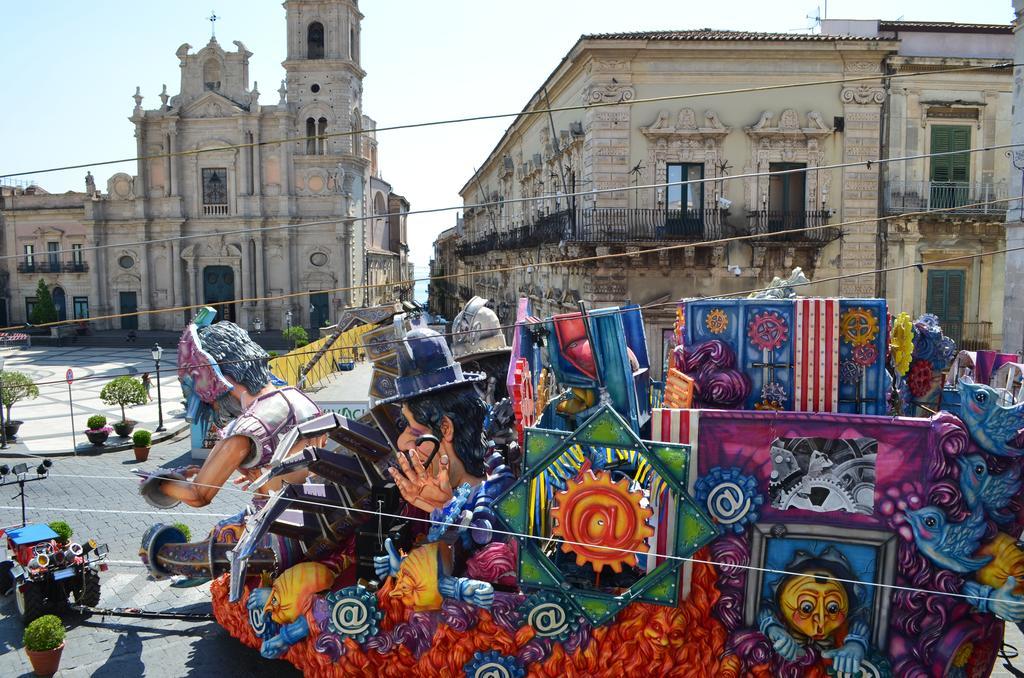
141 453
45 662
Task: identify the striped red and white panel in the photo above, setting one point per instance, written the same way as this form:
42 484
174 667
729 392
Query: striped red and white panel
816 354
674 426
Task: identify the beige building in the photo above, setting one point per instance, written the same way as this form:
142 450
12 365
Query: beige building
445 298
246 189
544 159
932 113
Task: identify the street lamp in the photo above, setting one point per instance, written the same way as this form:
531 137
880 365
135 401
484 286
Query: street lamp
158 351
288 319
3 425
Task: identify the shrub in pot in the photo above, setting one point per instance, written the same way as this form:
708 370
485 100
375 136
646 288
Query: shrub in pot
15 387
62 529
98 431
184 530
44 642
141 440
123 391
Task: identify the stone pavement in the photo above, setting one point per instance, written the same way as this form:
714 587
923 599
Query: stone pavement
47 427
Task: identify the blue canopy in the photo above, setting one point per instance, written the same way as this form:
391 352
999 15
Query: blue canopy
30 534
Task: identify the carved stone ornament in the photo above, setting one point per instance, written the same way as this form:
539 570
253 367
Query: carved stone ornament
789 126
684 124
862 94
609 93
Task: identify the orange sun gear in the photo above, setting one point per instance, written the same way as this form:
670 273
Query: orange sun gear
601 522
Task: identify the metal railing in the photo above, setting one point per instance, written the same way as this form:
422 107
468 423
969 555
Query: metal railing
603 225
969 336
764 222
953 197
53 267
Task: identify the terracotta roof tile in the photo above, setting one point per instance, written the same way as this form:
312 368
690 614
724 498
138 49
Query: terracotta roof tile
717 35
943 27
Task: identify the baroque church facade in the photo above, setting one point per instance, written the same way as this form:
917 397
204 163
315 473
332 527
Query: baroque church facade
221 210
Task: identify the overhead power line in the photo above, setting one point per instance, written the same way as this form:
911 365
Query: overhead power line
524 112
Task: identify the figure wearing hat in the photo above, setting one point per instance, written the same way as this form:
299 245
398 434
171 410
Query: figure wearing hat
478 344
443 467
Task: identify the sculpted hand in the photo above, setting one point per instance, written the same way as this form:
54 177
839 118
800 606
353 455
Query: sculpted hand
1002 602
419 486
784 644
846 659
478 593
273 648
388 564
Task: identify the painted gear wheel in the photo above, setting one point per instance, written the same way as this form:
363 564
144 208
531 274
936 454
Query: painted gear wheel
919 378
732 498
768 330
858 326
865 355
493 664
602 522
523 400
352 613
717 321
901 343
773 391
550 615
849 372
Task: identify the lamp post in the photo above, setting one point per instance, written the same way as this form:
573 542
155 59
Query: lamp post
3 424
157 352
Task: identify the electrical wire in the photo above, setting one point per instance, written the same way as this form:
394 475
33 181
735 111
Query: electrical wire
642 307
552 540
524 112
559 262
498 203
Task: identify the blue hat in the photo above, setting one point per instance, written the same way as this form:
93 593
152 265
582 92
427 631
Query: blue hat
426 365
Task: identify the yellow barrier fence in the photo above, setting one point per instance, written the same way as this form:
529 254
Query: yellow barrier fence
347 348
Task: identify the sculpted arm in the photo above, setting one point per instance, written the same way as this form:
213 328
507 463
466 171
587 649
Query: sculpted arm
225 458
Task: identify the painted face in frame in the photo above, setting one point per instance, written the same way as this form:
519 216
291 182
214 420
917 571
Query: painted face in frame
814 606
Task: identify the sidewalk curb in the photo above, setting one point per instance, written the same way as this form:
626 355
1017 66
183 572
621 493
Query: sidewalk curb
89 450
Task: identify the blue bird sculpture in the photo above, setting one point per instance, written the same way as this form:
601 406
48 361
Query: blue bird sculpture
982 488
992 426
950 546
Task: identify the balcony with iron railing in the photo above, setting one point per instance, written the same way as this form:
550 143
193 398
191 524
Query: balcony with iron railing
969 336
985 199
603 225
809 226
53 267
215 210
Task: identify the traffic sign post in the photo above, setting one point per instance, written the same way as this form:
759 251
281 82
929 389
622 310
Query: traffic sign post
70 377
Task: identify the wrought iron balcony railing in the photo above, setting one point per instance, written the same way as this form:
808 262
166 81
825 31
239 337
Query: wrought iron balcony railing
951 197
767 222
53 267
603 225
974 336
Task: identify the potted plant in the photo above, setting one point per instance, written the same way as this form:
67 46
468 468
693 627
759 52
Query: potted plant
16 387
123 391
63 531
44 642
142 439
297 335
98 431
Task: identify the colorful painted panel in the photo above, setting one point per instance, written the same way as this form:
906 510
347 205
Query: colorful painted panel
810 355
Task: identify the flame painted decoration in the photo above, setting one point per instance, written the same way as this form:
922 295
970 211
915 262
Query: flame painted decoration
602 522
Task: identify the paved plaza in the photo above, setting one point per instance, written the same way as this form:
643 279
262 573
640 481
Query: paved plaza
47 428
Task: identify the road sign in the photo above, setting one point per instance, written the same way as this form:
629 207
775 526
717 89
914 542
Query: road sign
69 375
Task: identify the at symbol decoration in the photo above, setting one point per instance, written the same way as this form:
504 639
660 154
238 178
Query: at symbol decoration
858 326
717 321
768 331
731 497
601 521
551 617
493 664
353 613
262 625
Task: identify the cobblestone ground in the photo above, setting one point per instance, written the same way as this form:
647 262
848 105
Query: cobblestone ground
98 496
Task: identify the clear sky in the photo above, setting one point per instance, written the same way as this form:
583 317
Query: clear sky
69 70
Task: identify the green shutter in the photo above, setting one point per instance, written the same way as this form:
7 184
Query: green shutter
946 138
935 303
954 296
945 295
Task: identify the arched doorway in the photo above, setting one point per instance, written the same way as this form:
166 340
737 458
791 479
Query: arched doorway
219 290
60 302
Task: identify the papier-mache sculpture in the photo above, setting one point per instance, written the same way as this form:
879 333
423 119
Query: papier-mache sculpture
778 520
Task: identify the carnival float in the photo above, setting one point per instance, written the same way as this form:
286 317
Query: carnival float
811 491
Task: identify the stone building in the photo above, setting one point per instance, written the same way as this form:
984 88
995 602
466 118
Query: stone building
445 298
945 112
230 178
544 159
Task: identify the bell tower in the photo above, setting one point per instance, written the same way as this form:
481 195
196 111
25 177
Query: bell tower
324 80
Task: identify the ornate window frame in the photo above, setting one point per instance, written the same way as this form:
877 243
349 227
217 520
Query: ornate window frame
786 140
675 139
